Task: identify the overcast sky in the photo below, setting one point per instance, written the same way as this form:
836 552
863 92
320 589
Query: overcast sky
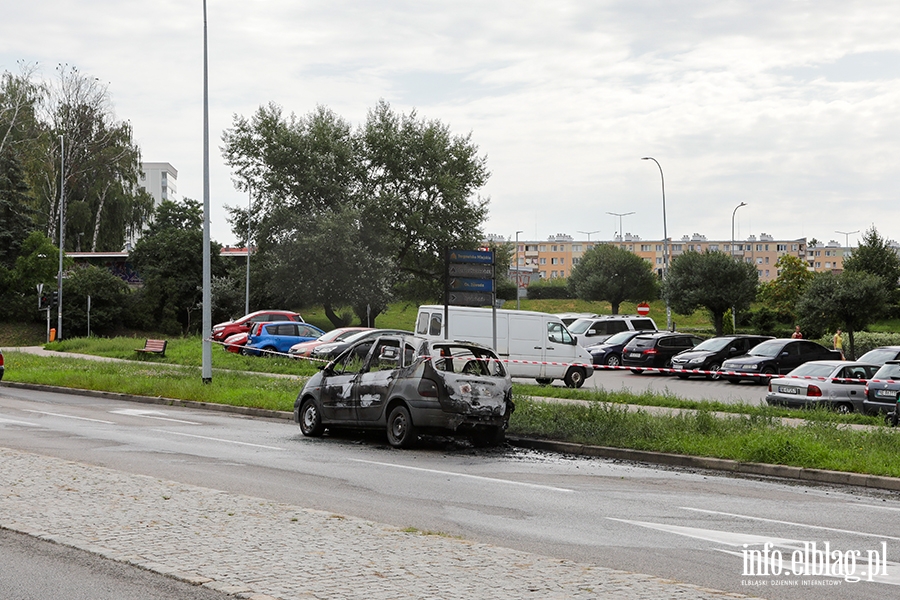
790 106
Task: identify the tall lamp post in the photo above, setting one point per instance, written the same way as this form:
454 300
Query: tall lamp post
665 238
62 235
620 215
733 308
588 233
247 283
847 235
206 348
518 280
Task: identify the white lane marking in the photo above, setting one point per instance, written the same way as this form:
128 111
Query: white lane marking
715 512
710 535
212 439
14 422
41 412
150 414
465 475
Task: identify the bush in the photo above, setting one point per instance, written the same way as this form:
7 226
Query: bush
548 289
863 340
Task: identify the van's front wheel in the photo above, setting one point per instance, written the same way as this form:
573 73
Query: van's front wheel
574 377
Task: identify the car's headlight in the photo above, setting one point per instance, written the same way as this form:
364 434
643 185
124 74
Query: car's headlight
695 361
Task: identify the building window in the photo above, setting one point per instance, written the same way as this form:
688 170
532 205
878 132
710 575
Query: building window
714 247
562 248
576 260
553 274
828 265
781 247
767 272
553 248
659 248
576 247
554 261
794 247
759 247
542 248
646 247
767 260
759 261
543 261
562 260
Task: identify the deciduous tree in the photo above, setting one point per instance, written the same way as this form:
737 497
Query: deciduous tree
850 300
609 273
711 280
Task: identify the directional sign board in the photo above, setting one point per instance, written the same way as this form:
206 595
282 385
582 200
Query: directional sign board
474 271
471 298
474 285
483 257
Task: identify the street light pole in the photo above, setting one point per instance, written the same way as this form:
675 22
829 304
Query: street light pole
62 235
620 215
846 235
206 348
518 280
665 238
247 283
588 233
733 308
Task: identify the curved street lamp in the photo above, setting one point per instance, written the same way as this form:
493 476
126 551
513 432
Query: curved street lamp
733 309
620 215
665 238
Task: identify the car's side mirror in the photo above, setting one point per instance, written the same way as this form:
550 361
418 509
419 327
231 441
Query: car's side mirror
733 351
784 353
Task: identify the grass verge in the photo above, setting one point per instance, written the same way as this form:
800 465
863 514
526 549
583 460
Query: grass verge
163 380
747 438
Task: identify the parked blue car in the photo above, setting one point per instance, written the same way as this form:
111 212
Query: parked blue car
267 339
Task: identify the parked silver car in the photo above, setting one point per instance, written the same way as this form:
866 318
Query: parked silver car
409 385
836 384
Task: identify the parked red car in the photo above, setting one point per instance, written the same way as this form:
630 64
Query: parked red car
243 325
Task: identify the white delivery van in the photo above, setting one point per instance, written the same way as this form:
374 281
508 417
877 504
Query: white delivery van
534 338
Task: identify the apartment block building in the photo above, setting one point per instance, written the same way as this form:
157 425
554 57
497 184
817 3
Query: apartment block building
556 256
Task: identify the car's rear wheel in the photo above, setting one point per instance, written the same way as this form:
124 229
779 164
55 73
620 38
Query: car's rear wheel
270 352
613 360
310 420
715 369
400 430
843 408
575 377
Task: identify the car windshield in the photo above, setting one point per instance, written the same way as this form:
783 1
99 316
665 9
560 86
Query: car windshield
713 344
768 349
891 371
619 338
878 356
580 326
812 369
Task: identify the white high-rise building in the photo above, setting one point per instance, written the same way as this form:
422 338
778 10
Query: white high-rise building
160 181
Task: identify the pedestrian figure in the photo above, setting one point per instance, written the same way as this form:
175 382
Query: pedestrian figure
797 335
838 343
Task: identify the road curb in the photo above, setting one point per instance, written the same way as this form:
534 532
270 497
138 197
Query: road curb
643 456
241 410
717 464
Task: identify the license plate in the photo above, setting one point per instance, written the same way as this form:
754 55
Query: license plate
678 367
886 393
788 390
634 355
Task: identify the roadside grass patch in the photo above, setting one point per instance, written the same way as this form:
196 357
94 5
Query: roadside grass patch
747 438
165 381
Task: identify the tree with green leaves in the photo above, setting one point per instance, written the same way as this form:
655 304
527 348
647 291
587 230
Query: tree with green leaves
109 296
609 273
37 263
782 294
169 260
711 280
355 217
850 300
16 213
875 255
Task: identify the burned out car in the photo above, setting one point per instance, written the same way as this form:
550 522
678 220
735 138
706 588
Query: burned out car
409 385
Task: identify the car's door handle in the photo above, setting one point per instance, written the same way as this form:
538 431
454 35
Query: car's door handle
537 347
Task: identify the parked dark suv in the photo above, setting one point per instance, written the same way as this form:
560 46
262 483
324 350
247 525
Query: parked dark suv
655 350
709 354
596 330
610 352
773 357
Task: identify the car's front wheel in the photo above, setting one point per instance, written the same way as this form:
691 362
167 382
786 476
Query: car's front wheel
401 432
764 380
310 419
613 360
843 408
715 375
574 377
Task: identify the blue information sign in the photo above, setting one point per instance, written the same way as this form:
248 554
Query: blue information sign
472 285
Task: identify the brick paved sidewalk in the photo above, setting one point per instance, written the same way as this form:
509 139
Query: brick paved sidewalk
254 548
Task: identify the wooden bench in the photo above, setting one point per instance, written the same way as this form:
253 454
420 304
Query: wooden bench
153 347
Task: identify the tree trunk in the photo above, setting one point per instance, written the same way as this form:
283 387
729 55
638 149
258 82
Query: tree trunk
718 322
97 219
852 354
335 319
615 307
